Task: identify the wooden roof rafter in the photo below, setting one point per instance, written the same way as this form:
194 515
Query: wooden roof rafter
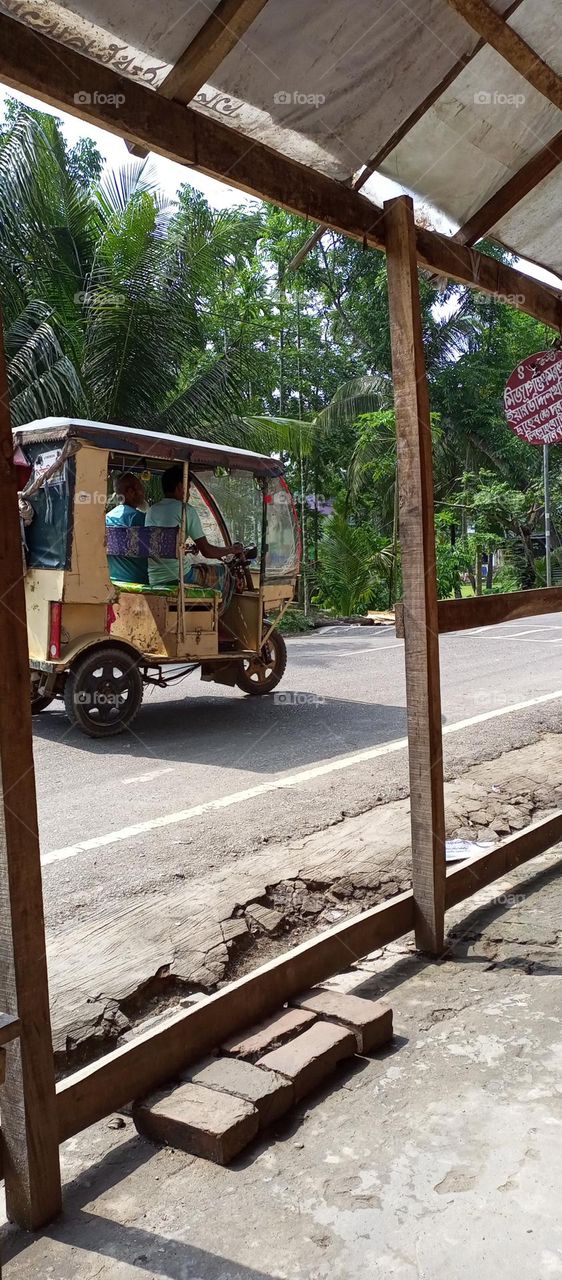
224 29
399 133
495 31
513 191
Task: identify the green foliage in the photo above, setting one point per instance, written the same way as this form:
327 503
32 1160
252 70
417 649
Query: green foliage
506 578
295 621
354 567
122 305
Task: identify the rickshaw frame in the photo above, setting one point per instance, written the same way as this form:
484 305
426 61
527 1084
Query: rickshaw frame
74 609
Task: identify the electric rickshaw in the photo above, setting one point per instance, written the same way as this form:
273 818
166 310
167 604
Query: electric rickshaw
95 642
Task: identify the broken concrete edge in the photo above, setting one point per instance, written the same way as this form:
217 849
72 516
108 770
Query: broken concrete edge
306 902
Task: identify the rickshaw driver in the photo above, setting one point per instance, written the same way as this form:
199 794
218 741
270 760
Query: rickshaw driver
167 514
130 492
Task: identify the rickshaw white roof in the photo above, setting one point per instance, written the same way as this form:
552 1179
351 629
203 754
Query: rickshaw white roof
147 444
405 87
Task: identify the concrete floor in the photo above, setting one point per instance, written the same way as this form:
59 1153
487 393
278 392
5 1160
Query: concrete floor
441 1158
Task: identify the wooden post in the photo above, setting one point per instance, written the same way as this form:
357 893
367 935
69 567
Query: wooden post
27 1099
417 540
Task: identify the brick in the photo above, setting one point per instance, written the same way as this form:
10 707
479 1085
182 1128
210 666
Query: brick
269 1034
200 1121
370 1020
270 1093
311 1057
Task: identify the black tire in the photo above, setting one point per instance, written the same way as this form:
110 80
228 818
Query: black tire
103 691
40 704
258 676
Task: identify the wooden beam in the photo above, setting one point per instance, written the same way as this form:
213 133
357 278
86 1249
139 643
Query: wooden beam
496 32
459 262
27 1099
488 611
9 1028
156 1056
47 70
417 542
223 29
512 192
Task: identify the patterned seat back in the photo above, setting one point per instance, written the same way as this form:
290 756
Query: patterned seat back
147 544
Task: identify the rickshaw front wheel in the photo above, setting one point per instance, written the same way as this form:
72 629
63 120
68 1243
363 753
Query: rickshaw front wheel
103 691
262 675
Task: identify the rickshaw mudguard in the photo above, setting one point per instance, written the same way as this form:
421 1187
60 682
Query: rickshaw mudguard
93 640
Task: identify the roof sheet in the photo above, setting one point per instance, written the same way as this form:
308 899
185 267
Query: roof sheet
146 444
332 83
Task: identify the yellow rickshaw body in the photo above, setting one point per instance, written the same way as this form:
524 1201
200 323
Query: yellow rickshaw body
76 590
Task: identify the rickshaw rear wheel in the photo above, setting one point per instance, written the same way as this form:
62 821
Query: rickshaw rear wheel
40 703
103 691
262 675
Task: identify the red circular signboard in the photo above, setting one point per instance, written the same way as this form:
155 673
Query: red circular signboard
533 398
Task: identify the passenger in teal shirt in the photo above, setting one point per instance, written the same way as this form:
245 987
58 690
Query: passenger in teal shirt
129 489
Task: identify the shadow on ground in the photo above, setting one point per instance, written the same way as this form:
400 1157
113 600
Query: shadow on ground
241 732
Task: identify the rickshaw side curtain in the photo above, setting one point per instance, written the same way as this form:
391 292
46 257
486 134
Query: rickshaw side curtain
48 536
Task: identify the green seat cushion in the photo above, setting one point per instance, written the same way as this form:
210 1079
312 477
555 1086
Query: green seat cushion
143 589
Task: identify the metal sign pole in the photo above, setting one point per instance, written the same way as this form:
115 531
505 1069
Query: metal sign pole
546 479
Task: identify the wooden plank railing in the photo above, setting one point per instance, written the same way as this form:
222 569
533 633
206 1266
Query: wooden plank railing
487 611
156 1056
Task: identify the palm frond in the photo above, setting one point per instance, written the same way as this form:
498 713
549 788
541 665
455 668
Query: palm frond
366 394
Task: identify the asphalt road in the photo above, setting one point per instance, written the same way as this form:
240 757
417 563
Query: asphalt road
208 773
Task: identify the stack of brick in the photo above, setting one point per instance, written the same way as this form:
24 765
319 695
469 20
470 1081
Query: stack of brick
220 1104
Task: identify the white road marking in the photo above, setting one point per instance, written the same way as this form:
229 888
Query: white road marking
146 777
278 784
350 653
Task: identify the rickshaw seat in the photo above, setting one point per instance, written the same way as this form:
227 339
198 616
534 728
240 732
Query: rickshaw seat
143 589
146 544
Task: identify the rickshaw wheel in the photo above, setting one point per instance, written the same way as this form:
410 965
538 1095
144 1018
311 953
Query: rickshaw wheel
262 675
103 691
39 701
40 704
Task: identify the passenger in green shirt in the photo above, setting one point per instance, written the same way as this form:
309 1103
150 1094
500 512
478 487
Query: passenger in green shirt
166 514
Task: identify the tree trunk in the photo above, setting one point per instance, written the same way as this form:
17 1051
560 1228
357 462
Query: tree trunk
490 577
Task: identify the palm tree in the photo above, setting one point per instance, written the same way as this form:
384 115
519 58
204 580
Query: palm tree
108 290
